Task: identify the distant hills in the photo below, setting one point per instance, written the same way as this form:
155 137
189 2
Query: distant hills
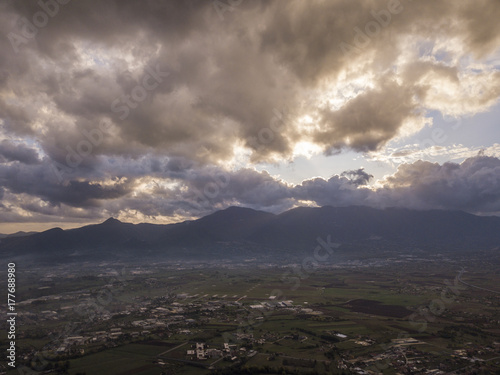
17 234
238 232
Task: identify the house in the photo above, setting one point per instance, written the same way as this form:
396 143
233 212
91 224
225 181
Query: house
200 351
76 340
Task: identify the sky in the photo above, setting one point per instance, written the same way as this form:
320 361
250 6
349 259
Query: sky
162 111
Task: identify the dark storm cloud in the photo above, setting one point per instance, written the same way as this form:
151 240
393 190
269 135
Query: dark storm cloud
40 181
184 86
174 192
245 186
12 152
226 74
473 185
219 89
336 191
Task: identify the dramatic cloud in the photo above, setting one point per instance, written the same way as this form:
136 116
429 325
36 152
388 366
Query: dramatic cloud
162 109
358 177
12 152
473 185
367 121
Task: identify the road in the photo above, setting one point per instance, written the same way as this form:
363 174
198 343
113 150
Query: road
177 347
459 277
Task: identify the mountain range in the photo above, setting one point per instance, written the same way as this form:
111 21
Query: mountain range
238 232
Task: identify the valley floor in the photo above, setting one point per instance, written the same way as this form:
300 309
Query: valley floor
403 315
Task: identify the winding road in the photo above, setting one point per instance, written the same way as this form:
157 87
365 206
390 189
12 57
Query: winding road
459 277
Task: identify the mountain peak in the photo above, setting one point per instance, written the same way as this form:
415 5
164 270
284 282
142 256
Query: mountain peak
112 220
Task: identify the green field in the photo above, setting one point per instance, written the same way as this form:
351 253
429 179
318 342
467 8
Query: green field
369 306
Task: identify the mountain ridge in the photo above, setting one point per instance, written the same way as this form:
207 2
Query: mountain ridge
241 231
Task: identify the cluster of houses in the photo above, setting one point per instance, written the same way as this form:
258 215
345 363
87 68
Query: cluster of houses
71 342
201 351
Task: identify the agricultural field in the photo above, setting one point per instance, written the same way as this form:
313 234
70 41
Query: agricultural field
275 319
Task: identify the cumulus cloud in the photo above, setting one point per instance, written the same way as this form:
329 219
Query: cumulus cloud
172 193
472 185
141 105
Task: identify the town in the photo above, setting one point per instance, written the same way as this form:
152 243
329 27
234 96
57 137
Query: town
353 318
